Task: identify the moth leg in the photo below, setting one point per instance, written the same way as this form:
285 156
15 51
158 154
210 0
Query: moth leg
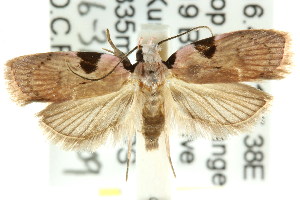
128 156
167 141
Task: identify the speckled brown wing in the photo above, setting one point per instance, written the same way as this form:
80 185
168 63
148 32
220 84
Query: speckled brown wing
215 110
51 76
247 55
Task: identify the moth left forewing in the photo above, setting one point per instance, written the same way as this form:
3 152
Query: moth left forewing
53 76
248 55
215 110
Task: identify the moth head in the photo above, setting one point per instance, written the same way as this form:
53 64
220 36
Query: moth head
148 53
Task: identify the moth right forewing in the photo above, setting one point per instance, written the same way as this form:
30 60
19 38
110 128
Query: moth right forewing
51 76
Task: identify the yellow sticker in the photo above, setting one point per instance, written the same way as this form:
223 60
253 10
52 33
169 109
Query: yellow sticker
110 192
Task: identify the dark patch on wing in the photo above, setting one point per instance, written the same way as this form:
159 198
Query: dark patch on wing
208 53
91 57
206 47
89 61
171 60
205 42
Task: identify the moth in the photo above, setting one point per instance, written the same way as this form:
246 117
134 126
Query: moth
196 91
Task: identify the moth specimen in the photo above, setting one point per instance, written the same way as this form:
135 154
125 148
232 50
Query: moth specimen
197 91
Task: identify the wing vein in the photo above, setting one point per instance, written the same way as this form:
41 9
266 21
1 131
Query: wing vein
103 107
225 119
236 107
204 107
228 110
188 104
236 94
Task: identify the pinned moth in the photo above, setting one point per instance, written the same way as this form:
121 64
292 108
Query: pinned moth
197 91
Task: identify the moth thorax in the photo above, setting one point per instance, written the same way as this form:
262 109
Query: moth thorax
151 53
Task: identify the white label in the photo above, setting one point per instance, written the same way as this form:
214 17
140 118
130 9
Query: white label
80 25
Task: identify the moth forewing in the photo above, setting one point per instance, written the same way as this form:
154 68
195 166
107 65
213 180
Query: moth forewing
49 77
248 55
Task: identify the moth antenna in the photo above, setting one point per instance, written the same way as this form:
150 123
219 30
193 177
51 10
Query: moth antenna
128 157
110 51
192 29
167 141
140 42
